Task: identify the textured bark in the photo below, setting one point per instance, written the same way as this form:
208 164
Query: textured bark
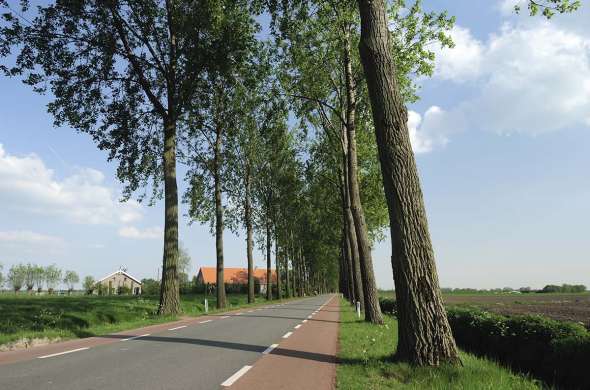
300 273
268 262
249 234
287 282
352 242
350 270
425 336
278 266
219 220
349 263
343 269
169 290
370 295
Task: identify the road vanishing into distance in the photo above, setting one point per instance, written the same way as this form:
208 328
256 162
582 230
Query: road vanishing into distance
210 352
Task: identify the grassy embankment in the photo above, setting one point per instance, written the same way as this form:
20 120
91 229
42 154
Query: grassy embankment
365 356
26 317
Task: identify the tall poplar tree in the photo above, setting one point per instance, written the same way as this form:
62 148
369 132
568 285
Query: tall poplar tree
425 336
126 73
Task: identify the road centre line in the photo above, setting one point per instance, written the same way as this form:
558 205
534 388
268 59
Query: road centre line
63 353
136 337
269 349
230 381
178 327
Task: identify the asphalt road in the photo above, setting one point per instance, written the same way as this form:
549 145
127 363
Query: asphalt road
198 356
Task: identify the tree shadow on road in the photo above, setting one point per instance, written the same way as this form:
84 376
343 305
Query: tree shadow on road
318 357
279 317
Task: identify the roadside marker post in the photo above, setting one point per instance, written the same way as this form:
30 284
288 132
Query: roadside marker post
358 309
206 306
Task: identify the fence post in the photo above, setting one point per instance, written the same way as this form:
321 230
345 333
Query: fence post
206 306
358 309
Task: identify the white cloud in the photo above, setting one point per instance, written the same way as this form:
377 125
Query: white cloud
25 241
26 184
530 78
138 234
463 62
433 130
28 237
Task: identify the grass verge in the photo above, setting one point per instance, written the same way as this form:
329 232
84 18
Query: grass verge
24 318
365 363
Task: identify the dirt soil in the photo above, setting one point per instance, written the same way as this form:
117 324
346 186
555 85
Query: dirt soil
563 307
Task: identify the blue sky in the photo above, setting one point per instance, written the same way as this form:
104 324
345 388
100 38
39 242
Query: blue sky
502 140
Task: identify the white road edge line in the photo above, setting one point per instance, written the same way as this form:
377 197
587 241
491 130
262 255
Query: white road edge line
297 326
224 317
203 322
230 381
62 353
178 327
136 337
287 334
267 350
304 321
238 314
309 317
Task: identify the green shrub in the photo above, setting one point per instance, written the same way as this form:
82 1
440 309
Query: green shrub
123 290
388 306
552 350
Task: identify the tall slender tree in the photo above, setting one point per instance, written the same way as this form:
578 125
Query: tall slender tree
425 336
125 72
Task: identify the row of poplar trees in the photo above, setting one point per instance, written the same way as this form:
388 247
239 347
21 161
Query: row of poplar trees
288 120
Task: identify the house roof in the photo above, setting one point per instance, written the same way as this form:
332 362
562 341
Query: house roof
120 272
235 275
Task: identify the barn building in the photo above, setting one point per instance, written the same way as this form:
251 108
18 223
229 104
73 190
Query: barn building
117 282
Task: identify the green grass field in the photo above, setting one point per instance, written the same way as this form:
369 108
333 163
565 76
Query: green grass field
63 317
365 356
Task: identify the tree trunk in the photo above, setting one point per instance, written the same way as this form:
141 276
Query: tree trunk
354 253
425 336
350 265
249 234
370 295
268 262
278 265
348 256
219 219
288 255
343 269
169 290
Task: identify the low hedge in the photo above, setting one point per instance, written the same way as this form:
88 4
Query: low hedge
388 306
554 351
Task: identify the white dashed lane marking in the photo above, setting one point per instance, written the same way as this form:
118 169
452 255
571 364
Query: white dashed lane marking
230 381
269 349
136 337
63 353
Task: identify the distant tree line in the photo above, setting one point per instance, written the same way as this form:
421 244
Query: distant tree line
33 278
550 288
564 288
